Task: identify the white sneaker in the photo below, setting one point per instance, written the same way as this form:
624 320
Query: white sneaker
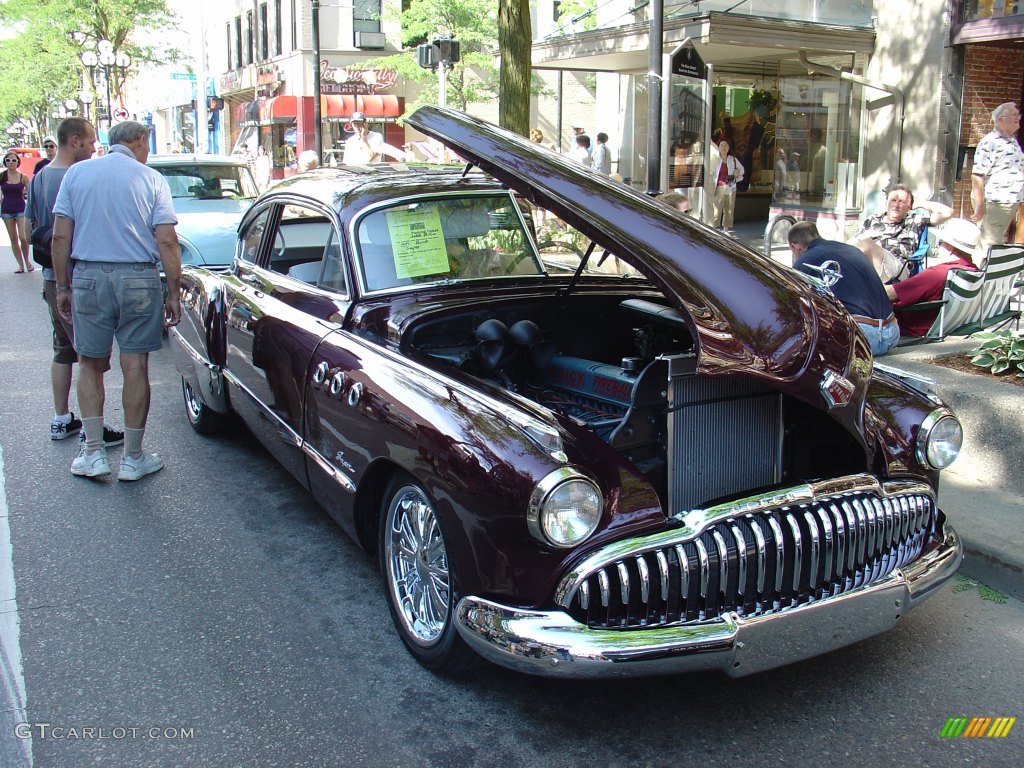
133 469
90 464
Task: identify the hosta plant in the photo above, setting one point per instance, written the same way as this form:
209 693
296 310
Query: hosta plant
1002 352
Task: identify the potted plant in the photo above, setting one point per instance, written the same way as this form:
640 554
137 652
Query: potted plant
762 102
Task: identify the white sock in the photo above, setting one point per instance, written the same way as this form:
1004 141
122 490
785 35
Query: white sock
65 419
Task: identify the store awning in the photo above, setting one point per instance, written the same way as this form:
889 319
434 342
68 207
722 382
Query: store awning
283 109
732 42
279 109
341 107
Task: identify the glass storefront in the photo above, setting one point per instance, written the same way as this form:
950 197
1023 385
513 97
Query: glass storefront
819 132
798 139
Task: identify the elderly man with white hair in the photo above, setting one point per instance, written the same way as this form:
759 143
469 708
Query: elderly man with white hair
997 178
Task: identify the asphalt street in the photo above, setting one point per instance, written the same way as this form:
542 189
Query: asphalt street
213 615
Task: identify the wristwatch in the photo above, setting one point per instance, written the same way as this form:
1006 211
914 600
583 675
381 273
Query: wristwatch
63 289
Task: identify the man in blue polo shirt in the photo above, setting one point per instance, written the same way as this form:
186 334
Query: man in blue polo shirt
117 213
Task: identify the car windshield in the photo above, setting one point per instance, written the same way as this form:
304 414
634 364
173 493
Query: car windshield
439 239
209 182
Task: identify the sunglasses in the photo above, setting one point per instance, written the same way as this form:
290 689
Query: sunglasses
49 146
11 160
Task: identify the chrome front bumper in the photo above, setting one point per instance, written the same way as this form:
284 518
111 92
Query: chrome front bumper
552 644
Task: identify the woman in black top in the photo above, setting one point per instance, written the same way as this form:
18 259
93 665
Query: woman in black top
14 186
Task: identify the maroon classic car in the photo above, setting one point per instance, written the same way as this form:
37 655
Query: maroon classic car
662 453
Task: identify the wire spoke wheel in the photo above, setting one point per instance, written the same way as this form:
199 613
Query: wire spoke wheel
420 578
416 564
203 419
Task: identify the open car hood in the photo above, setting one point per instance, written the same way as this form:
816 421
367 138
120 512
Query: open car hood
747 312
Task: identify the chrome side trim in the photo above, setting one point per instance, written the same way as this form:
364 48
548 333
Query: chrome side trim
336 474
294 439
552 644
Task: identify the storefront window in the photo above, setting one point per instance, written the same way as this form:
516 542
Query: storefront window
279 141
817 140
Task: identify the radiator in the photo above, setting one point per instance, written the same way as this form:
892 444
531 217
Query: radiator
725 438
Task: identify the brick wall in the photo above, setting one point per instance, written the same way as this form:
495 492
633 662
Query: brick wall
992 75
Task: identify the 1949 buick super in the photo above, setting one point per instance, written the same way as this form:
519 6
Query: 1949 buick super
666 453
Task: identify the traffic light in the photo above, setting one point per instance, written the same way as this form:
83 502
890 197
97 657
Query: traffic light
426 56
444 49
214 103
447 49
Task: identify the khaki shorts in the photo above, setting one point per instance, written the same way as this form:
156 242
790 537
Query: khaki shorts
63 335
112 300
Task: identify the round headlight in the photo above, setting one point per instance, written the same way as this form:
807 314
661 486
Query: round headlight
940 439
565 508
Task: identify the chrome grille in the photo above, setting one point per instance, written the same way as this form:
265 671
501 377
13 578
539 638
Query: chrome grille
757 563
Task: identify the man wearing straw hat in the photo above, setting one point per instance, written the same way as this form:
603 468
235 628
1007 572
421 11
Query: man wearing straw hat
958 242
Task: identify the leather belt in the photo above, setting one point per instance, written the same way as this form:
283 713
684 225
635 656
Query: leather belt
861 320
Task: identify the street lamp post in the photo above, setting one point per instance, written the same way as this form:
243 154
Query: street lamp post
85 96
106 50
90 60
318 141
106 57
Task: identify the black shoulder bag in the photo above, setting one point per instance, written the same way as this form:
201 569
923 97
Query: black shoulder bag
41 236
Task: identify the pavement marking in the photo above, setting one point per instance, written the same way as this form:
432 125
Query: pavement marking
14 752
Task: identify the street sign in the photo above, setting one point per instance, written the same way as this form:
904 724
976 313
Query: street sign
182 76
120 113
687 62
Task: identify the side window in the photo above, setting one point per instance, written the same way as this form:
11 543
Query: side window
252 236
301 243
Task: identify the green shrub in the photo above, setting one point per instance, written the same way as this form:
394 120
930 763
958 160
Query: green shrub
1002 352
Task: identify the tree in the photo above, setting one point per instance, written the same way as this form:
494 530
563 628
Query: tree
472 22
515 39
41 63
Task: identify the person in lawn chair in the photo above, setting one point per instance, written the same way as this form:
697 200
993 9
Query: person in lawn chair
891 238
958 245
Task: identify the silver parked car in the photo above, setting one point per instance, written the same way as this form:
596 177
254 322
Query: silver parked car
210 193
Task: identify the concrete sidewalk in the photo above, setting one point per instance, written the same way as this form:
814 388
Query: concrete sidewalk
982 491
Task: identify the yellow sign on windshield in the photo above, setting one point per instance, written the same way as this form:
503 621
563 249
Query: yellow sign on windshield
417 242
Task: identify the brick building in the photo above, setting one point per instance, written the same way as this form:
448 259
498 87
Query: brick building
988 41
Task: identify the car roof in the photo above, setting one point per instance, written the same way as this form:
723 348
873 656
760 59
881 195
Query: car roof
195 160
352 188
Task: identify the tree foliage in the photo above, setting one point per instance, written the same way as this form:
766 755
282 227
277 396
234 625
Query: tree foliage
40 63
473 79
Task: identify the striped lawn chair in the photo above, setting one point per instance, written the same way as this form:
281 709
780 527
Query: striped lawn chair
975 300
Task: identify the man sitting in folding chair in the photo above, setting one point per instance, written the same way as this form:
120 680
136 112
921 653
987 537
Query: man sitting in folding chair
958 242
893 239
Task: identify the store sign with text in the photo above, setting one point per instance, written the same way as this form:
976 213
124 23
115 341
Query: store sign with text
345 80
